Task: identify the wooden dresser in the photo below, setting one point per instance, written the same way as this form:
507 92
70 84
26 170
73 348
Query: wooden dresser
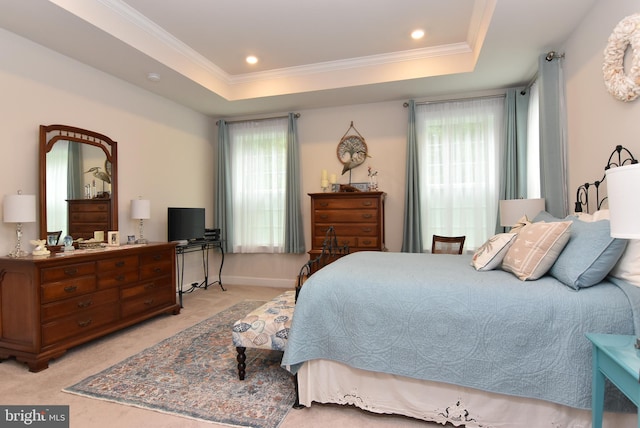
52 303
89 215
357 218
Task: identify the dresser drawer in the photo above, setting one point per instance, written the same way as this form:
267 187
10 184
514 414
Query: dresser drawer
88 206
158 256
65 289
364 229
147 287
70 306
345 216
116 278
67 272
79 323
118 263
343 203
353 242
89 217
155 270
146 303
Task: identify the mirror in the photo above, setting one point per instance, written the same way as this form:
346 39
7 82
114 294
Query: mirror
78 182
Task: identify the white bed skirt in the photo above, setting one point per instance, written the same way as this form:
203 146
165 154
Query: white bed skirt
326 381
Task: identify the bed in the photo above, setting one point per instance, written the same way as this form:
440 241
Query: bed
436 338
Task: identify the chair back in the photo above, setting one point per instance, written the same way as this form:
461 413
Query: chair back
447 244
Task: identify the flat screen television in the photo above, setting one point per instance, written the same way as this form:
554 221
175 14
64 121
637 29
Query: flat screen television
185 224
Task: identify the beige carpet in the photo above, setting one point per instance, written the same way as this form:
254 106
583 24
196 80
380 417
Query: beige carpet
21 387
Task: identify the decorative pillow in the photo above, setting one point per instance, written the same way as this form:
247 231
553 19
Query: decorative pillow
628 267
545 216
490 254
536 248
520 224
590 254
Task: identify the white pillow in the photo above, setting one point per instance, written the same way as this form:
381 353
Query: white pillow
490 254
536 248
628 266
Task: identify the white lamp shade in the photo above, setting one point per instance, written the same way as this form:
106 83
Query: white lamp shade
512 210
141 209
623 188
19 208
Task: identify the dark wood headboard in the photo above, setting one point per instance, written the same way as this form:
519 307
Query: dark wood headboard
619 156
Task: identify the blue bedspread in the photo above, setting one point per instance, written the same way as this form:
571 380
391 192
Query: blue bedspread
434 317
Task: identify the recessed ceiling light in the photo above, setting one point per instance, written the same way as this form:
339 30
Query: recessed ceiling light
252 59
417 34
154 77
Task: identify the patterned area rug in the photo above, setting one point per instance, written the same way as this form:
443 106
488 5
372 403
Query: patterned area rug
194 374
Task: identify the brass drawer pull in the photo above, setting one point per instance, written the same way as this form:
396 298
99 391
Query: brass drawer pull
70 271
367 242
157 270
366 229
324 216
120 263
150 285
324 204
367 203
85 323
148 302
85 304
70 288
157 257
367 215
120 278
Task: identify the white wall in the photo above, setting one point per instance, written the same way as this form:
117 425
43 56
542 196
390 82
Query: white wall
597 122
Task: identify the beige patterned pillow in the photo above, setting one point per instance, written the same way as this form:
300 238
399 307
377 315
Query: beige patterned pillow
490 254
536 248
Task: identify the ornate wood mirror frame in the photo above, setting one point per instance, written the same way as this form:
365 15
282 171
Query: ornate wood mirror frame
103 159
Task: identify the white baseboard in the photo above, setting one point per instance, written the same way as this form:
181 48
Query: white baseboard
261 282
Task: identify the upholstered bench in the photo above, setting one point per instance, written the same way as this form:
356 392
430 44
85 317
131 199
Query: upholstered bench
266 327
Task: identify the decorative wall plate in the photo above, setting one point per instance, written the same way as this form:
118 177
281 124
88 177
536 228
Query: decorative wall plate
352 150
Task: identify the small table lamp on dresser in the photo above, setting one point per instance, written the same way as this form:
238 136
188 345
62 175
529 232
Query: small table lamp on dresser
141 210
19 209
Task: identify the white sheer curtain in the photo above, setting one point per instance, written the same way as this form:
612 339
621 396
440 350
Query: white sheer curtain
533 143
258 158
459 145
57 166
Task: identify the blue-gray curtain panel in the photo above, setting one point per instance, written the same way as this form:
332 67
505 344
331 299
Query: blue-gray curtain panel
223 210
293 225
412 228
513 175
553 150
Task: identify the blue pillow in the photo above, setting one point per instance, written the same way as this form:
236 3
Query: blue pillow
589 255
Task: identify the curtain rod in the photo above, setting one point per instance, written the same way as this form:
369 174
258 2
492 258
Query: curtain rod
295 116
406 104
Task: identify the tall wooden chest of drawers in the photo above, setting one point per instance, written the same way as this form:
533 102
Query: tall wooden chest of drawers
89 215
357 218
53 303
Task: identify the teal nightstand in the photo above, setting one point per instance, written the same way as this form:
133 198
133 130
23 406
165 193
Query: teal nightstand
615 357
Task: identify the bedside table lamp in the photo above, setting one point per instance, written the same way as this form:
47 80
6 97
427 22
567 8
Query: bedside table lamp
19 209
141 210
512 210
623 185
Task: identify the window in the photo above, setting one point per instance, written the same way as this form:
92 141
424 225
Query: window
258 173
459 150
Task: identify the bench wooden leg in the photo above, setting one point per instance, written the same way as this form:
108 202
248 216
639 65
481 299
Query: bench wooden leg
241 358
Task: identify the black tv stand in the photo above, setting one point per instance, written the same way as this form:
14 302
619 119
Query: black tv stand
202 245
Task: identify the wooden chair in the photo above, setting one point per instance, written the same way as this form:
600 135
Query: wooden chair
447 244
